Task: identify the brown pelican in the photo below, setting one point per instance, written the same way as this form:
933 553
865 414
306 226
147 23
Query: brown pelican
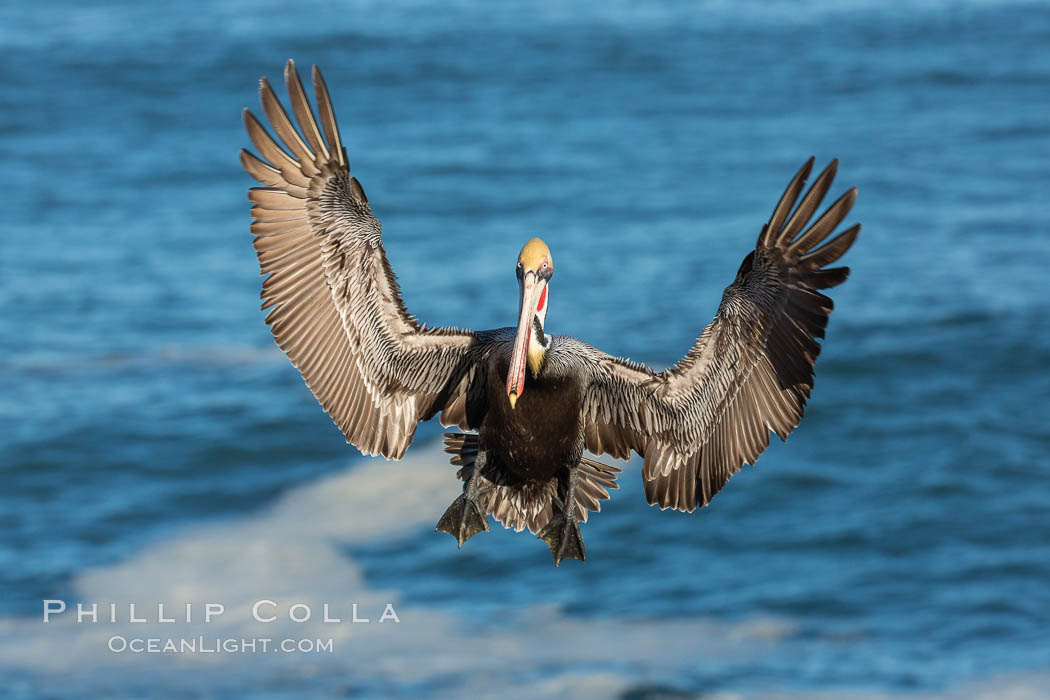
535 401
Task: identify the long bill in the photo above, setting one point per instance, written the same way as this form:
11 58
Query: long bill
530 293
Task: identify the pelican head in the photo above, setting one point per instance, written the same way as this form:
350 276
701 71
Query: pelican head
535 268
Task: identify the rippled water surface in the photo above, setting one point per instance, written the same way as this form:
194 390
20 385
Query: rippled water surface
156 445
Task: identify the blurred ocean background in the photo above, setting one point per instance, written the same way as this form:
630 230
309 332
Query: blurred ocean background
156 446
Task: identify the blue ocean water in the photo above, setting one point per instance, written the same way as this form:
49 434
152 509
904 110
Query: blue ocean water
155 445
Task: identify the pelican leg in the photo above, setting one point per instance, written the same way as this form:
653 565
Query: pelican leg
562 533
466 517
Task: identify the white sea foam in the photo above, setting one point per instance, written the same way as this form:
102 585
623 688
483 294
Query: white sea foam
291 552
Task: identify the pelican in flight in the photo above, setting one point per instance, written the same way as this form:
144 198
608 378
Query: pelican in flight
532 402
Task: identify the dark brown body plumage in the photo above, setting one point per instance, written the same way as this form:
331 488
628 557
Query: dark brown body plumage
543 434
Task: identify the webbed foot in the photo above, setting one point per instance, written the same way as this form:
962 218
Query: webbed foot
562 535
463 519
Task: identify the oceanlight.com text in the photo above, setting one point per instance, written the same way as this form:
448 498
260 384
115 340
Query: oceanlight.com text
119 644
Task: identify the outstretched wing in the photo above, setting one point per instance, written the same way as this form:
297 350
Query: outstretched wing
749 372
336 306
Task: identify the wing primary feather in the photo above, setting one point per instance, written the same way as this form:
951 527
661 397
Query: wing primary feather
263 172
285 130
327 114
823 226
303 114
787 201
269 150
809 203
833 249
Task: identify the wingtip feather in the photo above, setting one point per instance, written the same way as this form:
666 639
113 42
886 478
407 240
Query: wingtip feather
327 115
809 204
786 203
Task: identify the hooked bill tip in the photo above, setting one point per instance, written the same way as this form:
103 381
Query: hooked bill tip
513 396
